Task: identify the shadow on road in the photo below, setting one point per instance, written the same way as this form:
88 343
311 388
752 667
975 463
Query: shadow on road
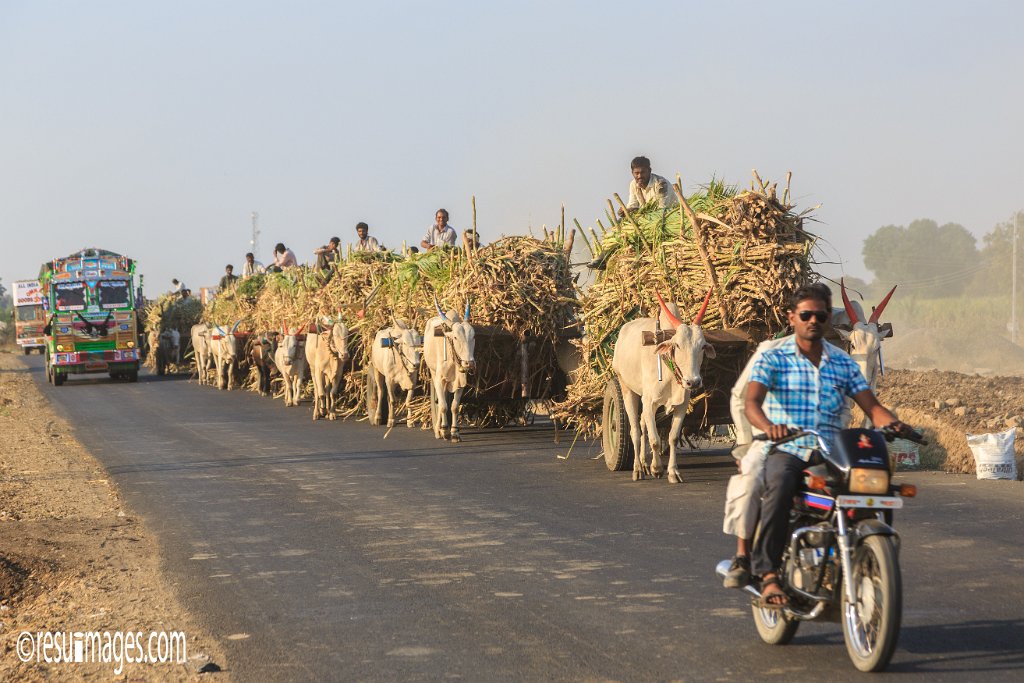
261 461
970 646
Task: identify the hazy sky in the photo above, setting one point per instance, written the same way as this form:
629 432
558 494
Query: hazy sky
155 128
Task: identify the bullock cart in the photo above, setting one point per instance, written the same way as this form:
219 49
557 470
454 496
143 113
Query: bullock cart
742 251
512 374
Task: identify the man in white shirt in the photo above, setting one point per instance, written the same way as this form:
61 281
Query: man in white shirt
647 187
440 233
178 288
252 266
365 243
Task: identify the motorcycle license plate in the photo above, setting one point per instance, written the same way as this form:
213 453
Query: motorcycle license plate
878 502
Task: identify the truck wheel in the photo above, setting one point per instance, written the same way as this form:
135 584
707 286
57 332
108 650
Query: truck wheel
618 447
133 375
161 364
26 349
58 378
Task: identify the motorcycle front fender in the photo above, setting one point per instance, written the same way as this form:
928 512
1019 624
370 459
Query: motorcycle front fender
875 527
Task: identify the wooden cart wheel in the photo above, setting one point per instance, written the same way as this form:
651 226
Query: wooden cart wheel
618 447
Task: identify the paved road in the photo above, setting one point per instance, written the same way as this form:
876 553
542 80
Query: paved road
346 557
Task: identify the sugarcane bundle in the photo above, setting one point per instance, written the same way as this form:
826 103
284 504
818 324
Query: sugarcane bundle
749 248
170 311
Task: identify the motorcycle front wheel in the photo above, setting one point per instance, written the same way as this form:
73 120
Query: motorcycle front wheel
773 627
871 624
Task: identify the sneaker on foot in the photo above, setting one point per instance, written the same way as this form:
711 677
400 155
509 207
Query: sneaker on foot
738 575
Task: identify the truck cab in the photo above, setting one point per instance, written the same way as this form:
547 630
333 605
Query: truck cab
29 316
92 324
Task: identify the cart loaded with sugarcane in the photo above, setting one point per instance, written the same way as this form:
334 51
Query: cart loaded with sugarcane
727 259
516 293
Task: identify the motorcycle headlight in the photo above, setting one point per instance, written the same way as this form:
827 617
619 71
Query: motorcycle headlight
868 481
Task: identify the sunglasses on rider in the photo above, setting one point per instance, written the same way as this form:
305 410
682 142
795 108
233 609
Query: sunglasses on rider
820 316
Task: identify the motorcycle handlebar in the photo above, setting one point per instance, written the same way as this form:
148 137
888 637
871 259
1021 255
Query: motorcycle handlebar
904 431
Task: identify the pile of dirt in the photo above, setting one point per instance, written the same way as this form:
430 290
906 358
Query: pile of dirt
950 405
72 557
943 349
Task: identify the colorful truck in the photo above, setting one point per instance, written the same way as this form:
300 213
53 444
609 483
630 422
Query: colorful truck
29 315
92 323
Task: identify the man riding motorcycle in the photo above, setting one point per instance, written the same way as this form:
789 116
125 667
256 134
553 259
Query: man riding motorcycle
801 384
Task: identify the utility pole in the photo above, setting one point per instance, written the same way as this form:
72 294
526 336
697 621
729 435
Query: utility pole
1013 284
255 241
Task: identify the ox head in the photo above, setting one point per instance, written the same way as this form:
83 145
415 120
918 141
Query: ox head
170 339
685 351
460 338
290 344
865 337
410 351
339 338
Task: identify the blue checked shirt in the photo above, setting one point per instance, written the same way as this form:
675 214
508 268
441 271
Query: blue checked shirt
807 397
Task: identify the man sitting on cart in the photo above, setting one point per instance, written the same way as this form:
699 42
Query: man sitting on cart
801 384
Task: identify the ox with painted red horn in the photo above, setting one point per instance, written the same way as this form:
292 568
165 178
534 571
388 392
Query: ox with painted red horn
646 386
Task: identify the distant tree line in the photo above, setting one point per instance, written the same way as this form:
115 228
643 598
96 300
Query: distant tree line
929 260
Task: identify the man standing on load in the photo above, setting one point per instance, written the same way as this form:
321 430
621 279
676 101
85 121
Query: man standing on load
440 233
644 188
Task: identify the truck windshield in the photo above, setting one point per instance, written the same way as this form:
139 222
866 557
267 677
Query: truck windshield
113 294
70 296
29 313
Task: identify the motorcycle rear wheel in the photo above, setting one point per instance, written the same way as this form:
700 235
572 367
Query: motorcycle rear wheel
871 626
773 626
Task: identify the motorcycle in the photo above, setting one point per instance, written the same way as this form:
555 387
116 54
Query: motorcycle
842 559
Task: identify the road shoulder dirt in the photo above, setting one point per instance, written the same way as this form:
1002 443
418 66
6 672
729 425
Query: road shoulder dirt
73 557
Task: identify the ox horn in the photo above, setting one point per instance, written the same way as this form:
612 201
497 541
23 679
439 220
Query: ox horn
439 311
465 316
881 307
668 314
235 327
703 308
850 312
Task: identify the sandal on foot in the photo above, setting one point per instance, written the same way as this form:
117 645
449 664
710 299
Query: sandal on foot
776 599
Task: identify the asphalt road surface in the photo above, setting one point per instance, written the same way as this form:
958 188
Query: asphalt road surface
320 551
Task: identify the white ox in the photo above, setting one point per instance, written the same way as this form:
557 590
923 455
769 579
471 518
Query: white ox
224 349
449 343
394 361
201 351
865 337
291 363
658 371
326 353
